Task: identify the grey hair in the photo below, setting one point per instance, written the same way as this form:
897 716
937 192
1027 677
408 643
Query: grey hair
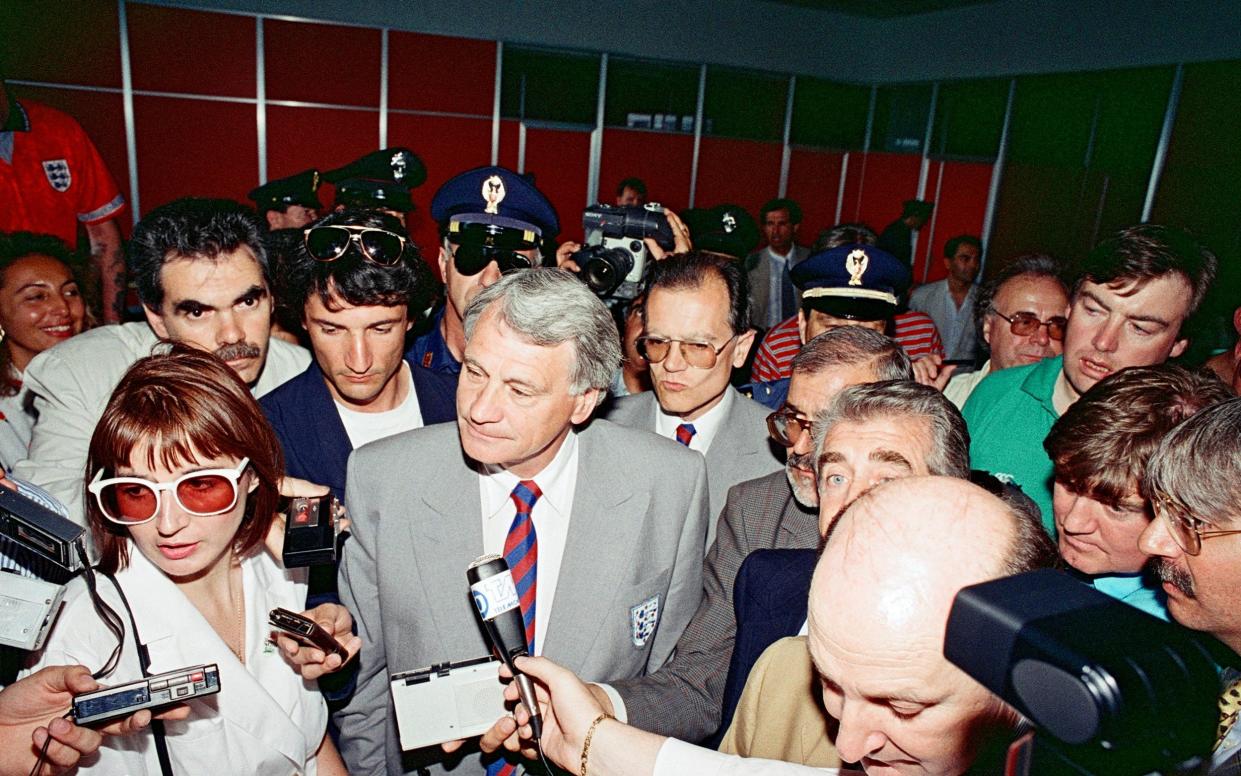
949 455
854 346
1198 464
1038 265
548 306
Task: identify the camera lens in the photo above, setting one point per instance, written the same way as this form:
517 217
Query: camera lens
604 271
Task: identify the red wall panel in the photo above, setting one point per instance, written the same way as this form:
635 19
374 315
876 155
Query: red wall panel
101 114
75 42
194 52
814 183
439 73
298 138
960 208
560 161
321 62
324 138
194 148
741 172
662 160
877 184
447 146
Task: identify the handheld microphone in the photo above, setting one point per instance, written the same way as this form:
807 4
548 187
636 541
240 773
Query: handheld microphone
495 597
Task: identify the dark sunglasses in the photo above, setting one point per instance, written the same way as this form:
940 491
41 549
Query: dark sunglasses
1025 324
471 259
379 246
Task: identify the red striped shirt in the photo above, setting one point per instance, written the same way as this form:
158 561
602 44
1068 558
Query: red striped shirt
915 332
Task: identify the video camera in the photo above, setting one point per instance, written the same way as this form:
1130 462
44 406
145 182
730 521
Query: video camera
614 257
1110 689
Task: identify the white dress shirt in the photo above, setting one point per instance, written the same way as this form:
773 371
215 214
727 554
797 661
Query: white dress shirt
677 757
705 427
551 514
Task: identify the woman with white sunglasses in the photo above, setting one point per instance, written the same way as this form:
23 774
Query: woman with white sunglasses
182 478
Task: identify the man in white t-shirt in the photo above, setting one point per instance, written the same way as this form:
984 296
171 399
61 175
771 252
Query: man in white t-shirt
353 278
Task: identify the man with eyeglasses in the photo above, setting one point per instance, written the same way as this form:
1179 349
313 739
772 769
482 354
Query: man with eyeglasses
866 435
492 221
1020 316
1195 540
1131 306
1099 449
777 510
696 330
354 278
202 274
845 284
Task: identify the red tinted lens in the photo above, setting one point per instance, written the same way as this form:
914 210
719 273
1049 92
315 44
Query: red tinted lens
207 494
129 502
1056 327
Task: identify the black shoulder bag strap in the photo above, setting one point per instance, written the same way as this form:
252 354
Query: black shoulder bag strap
144 662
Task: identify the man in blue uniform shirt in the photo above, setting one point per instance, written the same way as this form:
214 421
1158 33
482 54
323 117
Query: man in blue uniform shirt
492 221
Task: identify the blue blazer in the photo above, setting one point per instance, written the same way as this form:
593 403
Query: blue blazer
770 600
316 445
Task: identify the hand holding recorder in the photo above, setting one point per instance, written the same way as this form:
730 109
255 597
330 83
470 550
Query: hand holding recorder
318 641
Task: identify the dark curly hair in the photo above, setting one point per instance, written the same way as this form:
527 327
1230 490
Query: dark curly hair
190 228
353 277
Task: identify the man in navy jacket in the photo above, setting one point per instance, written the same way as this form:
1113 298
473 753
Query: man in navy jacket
352 279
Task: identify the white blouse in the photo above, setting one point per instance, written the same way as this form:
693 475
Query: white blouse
265 719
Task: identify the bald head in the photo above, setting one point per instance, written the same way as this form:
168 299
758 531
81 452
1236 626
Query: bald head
879 603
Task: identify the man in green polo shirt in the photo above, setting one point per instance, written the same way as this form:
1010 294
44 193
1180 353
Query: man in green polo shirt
1129 307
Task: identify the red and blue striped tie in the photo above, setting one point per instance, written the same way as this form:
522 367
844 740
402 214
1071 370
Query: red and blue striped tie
685 433
521 552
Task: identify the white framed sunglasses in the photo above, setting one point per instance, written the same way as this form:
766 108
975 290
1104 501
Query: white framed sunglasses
134 500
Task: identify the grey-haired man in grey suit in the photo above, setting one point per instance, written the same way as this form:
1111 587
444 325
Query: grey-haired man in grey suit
777 511
617 517
696 329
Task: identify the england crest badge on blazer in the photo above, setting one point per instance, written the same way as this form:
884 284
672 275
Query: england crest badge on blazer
57 172
642 620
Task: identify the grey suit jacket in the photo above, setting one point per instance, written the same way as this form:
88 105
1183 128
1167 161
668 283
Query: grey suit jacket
740 451
637 532
758 271
683 698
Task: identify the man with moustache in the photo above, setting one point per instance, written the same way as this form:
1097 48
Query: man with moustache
1020 316
774 511
1195 540
1099 450
1131 306
868 434
879 599
201 269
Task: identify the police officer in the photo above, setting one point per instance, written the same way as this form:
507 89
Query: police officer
380 180
850 285
289 203
727 229
492 221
